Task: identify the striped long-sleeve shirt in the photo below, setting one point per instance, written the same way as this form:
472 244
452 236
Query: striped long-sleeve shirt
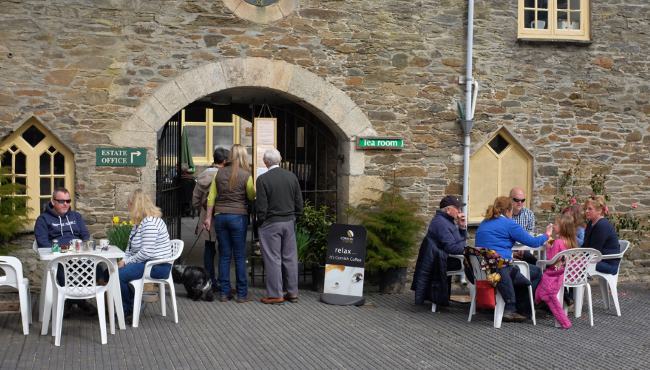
148 241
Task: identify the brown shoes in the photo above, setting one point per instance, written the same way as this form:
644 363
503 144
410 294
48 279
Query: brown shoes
291 299
272 300
513 317
242 299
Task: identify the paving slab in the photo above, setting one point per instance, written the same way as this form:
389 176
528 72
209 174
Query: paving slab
390 332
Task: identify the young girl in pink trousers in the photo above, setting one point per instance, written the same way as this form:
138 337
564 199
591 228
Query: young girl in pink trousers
553 277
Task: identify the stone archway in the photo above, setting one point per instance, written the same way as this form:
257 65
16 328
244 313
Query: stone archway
343 117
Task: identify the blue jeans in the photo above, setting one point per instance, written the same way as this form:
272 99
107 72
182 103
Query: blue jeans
231 235
134 271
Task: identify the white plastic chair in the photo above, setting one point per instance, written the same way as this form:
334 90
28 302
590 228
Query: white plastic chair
13 270
500 303
576 265
138 285
80 283
608 282
460 272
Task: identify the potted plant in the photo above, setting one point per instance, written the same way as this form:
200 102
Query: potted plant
311 240
119 232
393 230
13 209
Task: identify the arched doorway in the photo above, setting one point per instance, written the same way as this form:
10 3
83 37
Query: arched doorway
309 149
335 110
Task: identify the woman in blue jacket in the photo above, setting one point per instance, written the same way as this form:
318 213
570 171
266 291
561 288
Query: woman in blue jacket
499 232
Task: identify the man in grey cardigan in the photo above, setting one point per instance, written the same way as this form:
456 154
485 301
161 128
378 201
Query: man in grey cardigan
278 203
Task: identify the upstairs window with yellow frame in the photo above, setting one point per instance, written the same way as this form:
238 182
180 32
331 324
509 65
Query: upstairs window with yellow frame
554 20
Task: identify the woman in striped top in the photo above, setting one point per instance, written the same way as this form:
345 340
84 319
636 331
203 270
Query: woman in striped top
149 240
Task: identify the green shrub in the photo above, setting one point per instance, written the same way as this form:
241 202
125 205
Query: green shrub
393 230
311 233
13 209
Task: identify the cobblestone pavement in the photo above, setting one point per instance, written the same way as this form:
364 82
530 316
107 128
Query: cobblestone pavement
388 332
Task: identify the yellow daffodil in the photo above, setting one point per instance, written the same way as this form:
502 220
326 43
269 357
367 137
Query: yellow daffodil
116 220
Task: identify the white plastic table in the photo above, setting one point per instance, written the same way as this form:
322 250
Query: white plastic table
541 251
112 254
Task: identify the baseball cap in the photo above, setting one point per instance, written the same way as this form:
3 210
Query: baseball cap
451 200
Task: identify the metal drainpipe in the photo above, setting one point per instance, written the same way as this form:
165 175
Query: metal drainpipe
469 113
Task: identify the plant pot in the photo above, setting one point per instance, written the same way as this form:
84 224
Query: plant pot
393 280
317 277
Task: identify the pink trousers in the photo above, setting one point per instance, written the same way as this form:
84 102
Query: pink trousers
551 283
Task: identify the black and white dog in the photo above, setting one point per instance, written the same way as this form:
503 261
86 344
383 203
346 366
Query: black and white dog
196 282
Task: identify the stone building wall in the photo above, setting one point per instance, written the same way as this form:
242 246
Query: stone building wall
82 68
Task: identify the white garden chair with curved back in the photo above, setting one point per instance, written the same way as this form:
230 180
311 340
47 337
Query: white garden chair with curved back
500 303
609 282
460 272
80 272
138 285
13 270
576 266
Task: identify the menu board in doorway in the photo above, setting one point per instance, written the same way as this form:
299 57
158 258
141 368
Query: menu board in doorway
265 131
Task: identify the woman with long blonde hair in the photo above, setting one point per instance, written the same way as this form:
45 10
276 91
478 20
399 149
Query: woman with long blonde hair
499 232
230 192
149 240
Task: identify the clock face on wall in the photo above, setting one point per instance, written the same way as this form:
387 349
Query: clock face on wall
261 2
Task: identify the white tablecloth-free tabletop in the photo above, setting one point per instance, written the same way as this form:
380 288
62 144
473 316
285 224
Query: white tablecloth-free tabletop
112 254
540 252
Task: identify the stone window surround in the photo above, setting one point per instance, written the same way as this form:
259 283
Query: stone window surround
267 14
33 154
551 33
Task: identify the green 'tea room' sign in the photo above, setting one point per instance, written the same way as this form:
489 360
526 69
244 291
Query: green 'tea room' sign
382 143
121 157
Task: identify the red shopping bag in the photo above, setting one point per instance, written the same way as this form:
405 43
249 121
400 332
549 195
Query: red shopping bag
485 298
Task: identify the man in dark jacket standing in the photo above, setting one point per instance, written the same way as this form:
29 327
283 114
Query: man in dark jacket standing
447 234
278 203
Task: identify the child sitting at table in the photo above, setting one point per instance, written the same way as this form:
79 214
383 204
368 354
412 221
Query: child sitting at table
553 277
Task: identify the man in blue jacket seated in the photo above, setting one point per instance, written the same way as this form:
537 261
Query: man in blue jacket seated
59 222
447 234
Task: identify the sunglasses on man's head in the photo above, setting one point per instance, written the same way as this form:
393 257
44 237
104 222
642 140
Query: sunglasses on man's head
63 201
517 200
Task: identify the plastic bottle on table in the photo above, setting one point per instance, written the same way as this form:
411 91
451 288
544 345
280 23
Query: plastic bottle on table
55 246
